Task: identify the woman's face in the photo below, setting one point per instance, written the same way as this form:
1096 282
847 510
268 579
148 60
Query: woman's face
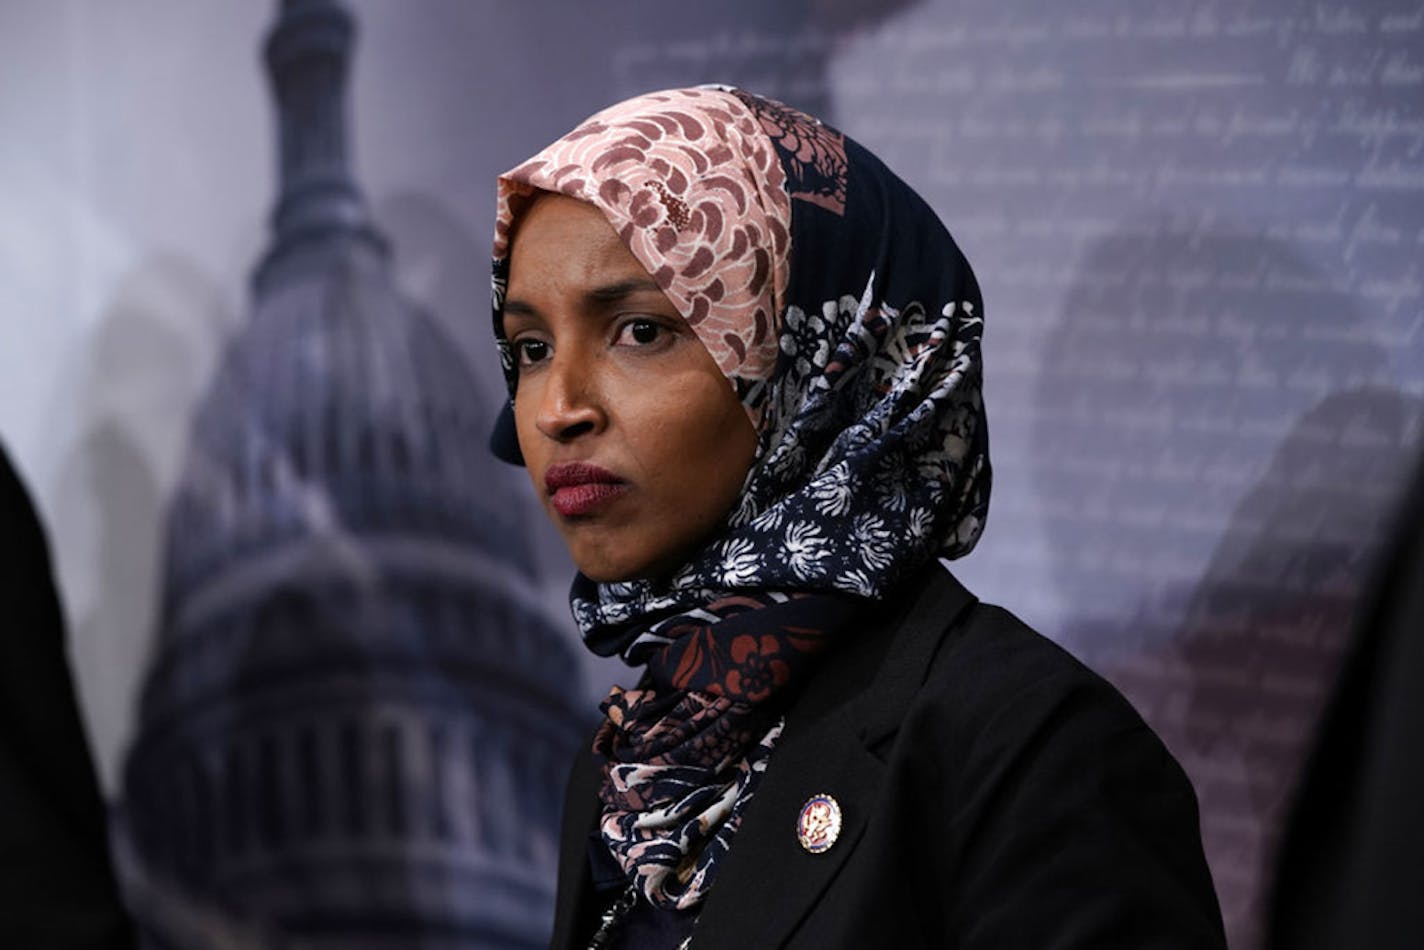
635 441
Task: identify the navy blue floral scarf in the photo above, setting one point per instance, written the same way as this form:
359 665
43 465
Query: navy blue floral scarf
872 461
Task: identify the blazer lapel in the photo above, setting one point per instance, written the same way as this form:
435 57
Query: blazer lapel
576 897
769 881
829 759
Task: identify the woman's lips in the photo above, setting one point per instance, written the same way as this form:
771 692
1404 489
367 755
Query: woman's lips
577 488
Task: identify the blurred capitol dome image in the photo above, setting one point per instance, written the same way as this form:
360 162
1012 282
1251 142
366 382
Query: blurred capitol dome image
357 715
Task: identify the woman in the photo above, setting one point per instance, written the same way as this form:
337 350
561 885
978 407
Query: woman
744 364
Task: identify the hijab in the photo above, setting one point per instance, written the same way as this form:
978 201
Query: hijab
848 324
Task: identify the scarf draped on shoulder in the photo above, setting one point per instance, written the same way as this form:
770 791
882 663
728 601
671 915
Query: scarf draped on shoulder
849 324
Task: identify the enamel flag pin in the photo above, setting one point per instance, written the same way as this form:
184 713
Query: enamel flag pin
819 823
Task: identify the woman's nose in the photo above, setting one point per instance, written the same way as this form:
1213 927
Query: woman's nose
569 405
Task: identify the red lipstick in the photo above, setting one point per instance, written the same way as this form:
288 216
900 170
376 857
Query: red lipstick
577 488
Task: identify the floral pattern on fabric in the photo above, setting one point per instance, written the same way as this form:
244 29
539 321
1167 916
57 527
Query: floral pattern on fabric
687 747
875 462
814 152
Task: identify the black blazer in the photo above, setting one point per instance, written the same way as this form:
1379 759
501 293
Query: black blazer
994 793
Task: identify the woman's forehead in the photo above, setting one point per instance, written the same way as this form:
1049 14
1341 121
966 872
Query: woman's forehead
569 246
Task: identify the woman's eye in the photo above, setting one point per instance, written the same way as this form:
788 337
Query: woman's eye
529 352
641 332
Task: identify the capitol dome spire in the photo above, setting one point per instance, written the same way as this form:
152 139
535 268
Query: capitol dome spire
320 209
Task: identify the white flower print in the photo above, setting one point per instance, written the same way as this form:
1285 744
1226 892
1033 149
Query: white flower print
934 492
792 330
857 583
857 437
920 522
936 466
804 548
793 459
769 520
874 542
892 491
833 492
822 355
740 563
685 576
795 318
618 612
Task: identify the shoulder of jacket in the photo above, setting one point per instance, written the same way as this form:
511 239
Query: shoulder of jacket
989 664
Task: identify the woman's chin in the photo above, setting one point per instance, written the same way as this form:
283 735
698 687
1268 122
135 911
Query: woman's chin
608 574
619 567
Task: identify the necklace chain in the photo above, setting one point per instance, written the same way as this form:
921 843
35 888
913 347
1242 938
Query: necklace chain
612 921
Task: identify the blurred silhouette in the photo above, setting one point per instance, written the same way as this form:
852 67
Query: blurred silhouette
156 345
1217 462
56 885
1348 873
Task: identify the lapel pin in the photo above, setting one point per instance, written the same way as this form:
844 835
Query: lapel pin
819 824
